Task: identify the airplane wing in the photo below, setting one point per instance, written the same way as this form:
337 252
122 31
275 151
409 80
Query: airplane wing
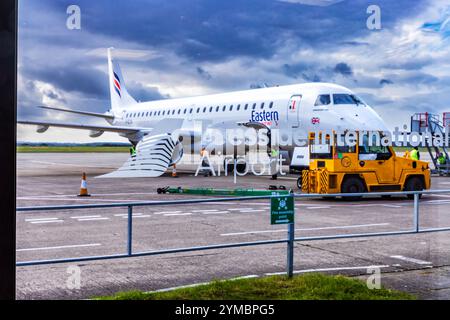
105 116
44 125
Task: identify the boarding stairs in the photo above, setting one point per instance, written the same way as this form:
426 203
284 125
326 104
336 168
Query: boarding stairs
428 122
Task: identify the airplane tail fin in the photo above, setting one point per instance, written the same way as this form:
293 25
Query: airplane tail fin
120 98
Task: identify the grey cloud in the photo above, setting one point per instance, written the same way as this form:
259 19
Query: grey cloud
385 81
203 73
343 69
71 78
144 93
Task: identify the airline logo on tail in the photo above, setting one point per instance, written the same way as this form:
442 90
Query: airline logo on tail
117 84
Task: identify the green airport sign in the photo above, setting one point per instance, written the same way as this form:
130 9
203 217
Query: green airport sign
282 210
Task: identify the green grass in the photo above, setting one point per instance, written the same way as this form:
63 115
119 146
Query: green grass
24 149
314 286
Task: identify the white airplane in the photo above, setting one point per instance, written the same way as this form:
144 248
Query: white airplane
157 128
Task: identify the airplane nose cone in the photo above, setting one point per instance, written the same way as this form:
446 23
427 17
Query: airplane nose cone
361 121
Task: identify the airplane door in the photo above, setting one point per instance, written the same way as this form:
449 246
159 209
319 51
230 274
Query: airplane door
293 112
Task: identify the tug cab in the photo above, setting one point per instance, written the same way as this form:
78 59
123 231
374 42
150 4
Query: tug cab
363 167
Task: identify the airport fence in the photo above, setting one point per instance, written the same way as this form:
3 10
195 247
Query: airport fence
289 240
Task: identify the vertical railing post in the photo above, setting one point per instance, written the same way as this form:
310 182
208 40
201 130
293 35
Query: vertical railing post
290 250
130 231
290 244
235 171
416 212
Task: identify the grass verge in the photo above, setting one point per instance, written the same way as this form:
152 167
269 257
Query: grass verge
314 286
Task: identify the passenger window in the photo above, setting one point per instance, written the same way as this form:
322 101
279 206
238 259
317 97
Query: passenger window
190 111
224 107
262 105
271 105
231 108
323 100
238 107
254 106
210 109
217 109
198 110
246 106
204 109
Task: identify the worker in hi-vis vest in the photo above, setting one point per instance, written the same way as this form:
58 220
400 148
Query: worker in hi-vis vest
133 151
414 154
442 158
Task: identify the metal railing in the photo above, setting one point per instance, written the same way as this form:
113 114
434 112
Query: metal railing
290 227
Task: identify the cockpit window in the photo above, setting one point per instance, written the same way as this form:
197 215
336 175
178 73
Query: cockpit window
342 98
323 100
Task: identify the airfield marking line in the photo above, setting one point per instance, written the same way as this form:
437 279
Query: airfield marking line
85 217
49 221
438 201
201 284
93 194
252 210
306 229
329 269
126 214
391 206
166 212
205 210
178 214
218 212
361 205
70 164
62 247
139 216
323 207
75 199
93 219
39 219
220 203
250 276
413 260
442 195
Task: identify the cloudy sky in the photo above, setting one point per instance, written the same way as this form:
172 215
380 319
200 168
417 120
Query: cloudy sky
178 48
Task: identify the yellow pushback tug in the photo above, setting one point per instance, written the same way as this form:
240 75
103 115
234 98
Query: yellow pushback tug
360 168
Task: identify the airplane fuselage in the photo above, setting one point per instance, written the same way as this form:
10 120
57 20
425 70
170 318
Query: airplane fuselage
306 107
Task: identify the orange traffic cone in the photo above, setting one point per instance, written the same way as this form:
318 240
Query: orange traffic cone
83 188
174 171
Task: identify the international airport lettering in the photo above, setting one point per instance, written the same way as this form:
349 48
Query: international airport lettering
299 137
